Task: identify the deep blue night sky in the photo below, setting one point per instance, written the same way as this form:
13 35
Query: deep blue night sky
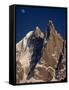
27 18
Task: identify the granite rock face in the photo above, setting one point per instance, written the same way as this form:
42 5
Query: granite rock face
41 56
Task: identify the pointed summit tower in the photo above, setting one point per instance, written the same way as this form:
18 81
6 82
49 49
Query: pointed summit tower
38 33
50 30
51 25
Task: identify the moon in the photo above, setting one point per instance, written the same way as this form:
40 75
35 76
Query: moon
23 11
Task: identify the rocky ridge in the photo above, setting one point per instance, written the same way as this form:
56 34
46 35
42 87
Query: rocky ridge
41 57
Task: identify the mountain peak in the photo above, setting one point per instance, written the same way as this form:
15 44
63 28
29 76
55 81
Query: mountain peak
51 25
37 28
38 33
50 29
50 21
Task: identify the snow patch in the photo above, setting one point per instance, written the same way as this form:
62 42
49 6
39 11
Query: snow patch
25 40
29 34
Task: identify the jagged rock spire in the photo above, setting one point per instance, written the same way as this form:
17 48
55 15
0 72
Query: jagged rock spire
37 28
51 25
50 22
38 33
50 29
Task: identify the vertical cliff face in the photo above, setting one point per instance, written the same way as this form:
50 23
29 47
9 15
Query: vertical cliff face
53 58
41 57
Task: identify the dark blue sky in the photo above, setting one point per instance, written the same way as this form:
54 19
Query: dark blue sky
27 18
